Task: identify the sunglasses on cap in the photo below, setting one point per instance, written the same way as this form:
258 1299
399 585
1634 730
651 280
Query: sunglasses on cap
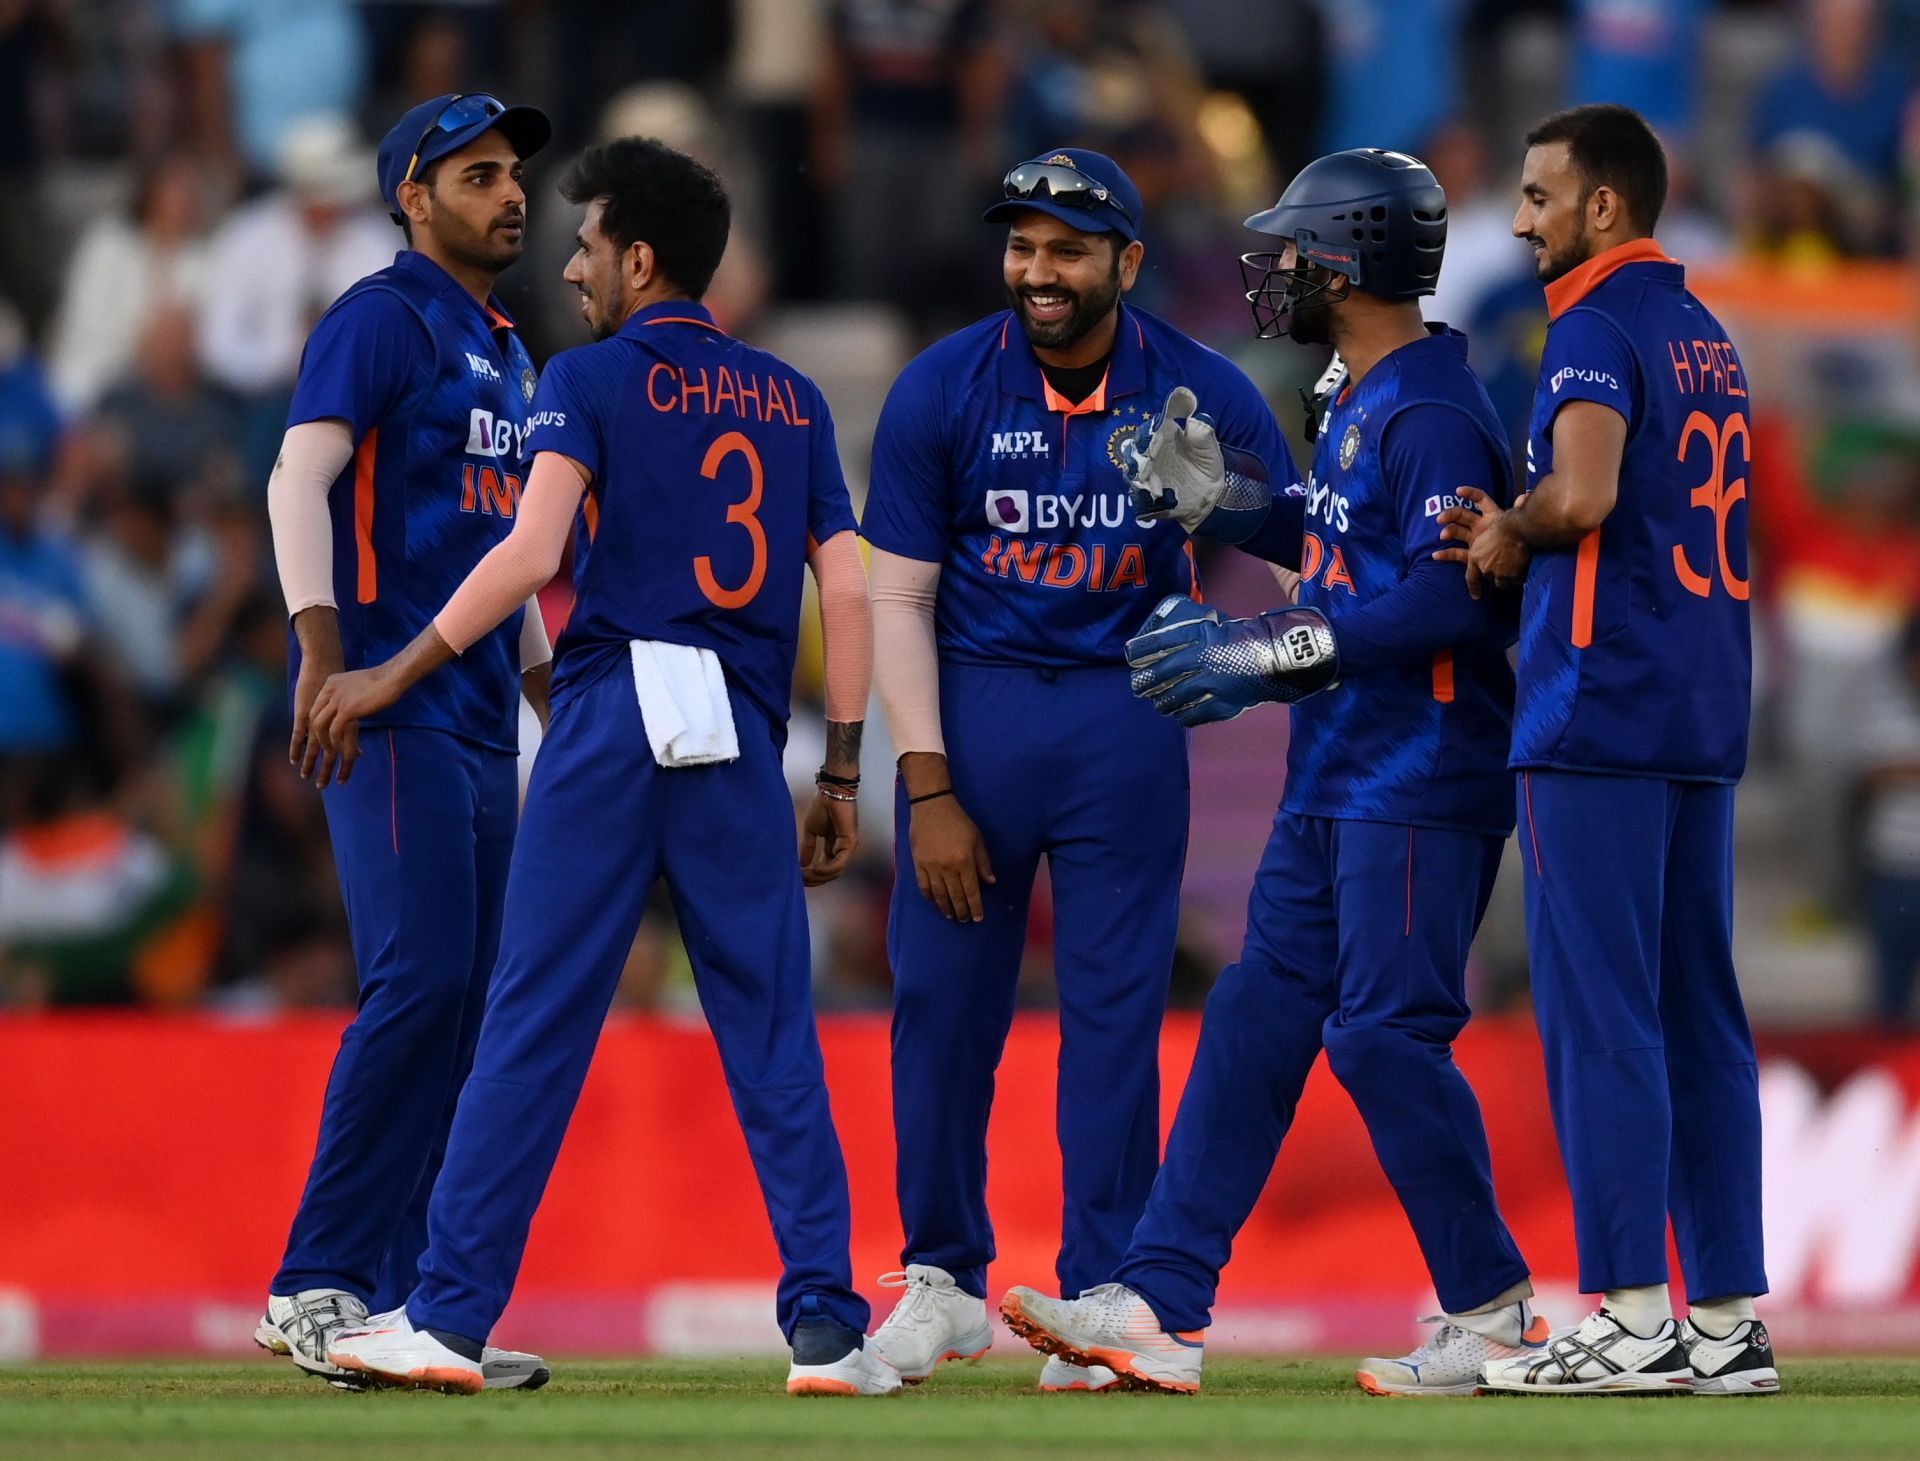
1067 186
456 116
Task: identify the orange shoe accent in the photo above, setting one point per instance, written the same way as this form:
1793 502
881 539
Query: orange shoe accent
1372 1386
1119 1361
819 1385
446 1381
1538 1332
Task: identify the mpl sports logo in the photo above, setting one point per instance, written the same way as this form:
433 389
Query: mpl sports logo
1018 446
481 366
1580 374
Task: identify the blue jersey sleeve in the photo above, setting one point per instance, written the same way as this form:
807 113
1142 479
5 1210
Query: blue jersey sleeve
1243 420
363 358
1430 451
829 509
572 406
907 507
1587 359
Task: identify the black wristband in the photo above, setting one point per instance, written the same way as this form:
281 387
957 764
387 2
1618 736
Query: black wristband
932 796
832 780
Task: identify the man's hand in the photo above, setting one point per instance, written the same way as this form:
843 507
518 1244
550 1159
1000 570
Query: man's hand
949 858
829 834
1198 668
318 630
343 702
1176 468
1494 553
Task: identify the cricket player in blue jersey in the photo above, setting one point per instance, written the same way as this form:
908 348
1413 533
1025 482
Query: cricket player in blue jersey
1396 806
1009 568
399 470
697 477
1635 677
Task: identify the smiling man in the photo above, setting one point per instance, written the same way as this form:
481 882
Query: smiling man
397 473
1008 571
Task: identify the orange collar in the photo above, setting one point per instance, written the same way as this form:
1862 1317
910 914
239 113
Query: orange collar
1569 289
1057 402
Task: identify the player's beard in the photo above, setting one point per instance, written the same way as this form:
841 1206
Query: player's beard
1557 263
1311 321
488 249
1084 312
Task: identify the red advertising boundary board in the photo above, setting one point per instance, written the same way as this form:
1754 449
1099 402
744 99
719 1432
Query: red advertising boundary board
151 1164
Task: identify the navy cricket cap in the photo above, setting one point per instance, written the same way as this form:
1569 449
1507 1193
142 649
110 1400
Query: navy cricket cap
1084 190
445 124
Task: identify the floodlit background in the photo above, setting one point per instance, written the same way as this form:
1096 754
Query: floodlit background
185 185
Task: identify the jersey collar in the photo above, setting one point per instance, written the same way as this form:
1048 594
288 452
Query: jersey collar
1569 289
420 267
1020 373
671 312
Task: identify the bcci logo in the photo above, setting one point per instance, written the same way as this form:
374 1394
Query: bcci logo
1007 509
1119 438
527 381
1349 447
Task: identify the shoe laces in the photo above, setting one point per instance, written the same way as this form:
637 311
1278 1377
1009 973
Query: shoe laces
922 1301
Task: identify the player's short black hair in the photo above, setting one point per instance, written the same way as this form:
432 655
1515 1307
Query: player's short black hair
656 194
1612 145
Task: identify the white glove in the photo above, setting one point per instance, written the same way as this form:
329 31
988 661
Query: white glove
1185 475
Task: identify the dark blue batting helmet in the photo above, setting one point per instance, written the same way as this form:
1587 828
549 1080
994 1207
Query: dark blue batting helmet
1375 218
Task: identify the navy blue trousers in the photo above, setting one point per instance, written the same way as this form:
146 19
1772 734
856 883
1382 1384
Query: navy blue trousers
421 836
1650 1063
1070 766
1357 939
602 821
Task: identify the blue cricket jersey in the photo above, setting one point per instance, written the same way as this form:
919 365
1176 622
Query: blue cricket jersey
1636 655
714 467
981 467
436 389
1422 742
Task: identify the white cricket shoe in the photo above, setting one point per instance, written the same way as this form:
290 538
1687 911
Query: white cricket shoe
390 1351
1739 1364
935 1320
1449 1363
858 1372
1060 1377
512 1369
1109 1326
1599 1356
301 1326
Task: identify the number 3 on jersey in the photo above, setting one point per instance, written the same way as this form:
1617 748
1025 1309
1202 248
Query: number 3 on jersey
1718 496
741 513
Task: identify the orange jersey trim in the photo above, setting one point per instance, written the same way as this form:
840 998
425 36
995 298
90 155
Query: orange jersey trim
1569 289
686 320
1586 574
591 511
1443 677
1057 402
367 587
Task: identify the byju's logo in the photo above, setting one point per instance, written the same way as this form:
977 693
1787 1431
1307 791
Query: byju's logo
1019 445
1008 508
1588 377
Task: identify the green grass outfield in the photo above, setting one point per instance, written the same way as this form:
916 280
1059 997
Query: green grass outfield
705 1408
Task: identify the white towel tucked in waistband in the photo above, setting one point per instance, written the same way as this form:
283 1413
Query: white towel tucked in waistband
683 701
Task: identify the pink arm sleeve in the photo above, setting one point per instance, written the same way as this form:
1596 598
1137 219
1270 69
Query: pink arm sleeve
516 567
906 662
846 625
312 457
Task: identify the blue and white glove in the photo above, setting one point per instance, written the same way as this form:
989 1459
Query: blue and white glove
1176 468
1199 668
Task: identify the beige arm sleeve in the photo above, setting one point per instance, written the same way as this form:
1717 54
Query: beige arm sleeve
312 457
846 625
906 663
517 566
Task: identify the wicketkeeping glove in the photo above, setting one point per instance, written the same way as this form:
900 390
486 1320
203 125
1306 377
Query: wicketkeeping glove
1198 668
1177 468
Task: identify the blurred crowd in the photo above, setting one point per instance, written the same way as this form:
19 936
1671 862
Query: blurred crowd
190 182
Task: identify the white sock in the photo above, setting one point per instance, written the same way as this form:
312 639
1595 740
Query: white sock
1720 1317
1505 1325
1641 1309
